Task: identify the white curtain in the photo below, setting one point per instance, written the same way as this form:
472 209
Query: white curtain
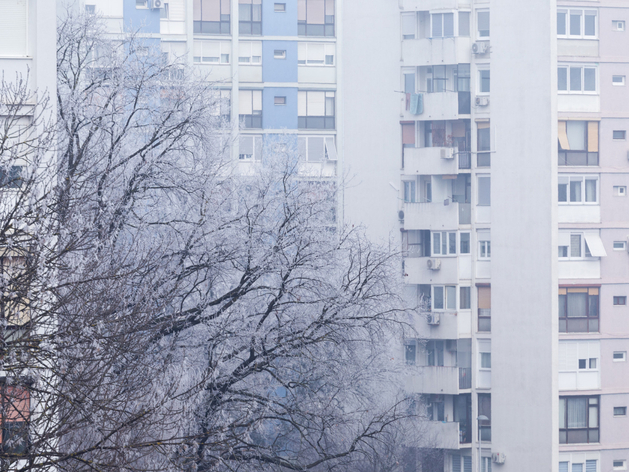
577 408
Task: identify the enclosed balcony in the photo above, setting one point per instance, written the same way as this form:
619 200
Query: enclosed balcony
442 434
433 379
436 216
435 160
424 270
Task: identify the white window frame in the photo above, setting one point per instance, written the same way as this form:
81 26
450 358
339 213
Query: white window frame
620 190
618 25
446 290
312 54
622 466
409 19
484 250
583 244
256 156
279 7
624 135
582 12
624 415
141 6
203 50
484 347
279 54
478 177
279 100
409 189
329 148
619 245
582 90
566 179
620 359
250 53
483 68
455 23
441 235
618 80
478 36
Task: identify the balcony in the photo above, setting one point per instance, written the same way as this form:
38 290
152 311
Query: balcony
448 327
436 51
439 106
416 271
434 379
442 435
436 215
430 161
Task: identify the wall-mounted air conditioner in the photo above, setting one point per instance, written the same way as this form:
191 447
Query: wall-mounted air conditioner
434 264
480 47
447 153
498 458
482 101
157 4
433 318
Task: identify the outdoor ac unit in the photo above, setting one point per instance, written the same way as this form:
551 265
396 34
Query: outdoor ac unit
400 215
434 264
480 47
433 319
498 458
157 4
482 101
447 153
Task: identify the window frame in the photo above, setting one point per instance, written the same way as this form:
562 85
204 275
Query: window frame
478 31
619 190
583 67
621 137
304 148
224 23
583 178
329 120
279 9
619 300
567 24
256 115
257 148
484 250
622 411
617 23
592 402
622 358
445 290
584 251
482 68
222 59
622 245
621 82
303 54
445 240
254 26
329 21
591 320
565 156
443 14
621 466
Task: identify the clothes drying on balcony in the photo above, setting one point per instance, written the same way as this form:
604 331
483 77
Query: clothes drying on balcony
417 103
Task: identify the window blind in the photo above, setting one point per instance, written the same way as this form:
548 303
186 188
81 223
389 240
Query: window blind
590 466
13 28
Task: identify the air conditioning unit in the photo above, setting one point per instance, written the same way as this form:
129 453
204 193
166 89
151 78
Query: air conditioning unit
157 4
480 47
400 215
434 264
447 153
498 458
433 318
482 101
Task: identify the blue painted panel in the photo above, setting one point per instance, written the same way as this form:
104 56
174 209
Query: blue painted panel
145 20
279 23
279 116
279 70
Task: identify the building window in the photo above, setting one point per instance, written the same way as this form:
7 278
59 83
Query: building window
590 466
409 25
141 3
577 23
250 52
250 108
620 245
250 17
619 134
442 25
579 310
578 189
577 79
250 148
410 191
464 24
279 100
619 356
316 110
279 54
16 407
315 17
211 52
618 25
211 17
444 298
467 462
484 250
484 190
315 54
578 143
279 7
410 352
619 464
90 9
316 148
484 309
618 80
464 243
435 410
482 23
483 81
484 409
578 420
443 243
573 245
464 298
620 411
164 13
483 145
620 190
620 300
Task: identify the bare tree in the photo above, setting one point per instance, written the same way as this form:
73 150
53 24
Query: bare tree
163 312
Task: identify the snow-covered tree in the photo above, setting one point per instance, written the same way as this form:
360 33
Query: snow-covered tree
162 311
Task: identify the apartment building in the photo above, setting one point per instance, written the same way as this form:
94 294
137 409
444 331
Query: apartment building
488 140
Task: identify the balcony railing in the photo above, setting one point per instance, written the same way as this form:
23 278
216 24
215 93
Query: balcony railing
465 160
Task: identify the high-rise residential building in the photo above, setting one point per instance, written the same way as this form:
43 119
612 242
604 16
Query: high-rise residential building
487 139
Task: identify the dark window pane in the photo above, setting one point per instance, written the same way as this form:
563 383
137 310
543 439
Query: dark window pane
562 437
577 325
577 436
593 436
256 28
593 326
592 159
244 28
562 326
